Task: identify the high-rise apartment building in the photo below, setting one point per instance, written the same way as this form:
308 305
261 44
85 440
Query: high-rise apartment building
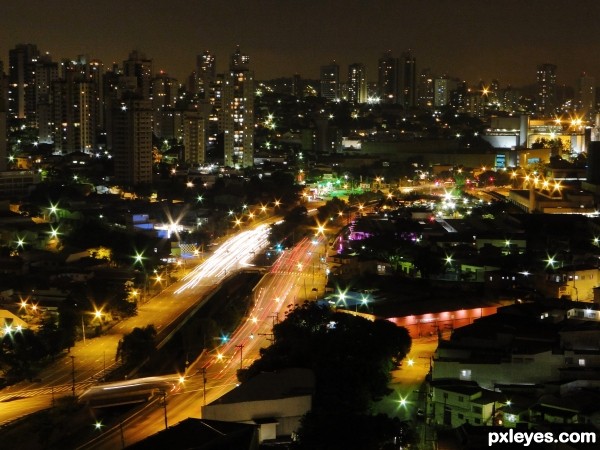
194 149
236 113
74 115
164 98
132 140
3 135
330 81
357 83
206 73
46 74
138 66
408 80
546 101
443 88
21 81
426 89
3 88
586 95
388 78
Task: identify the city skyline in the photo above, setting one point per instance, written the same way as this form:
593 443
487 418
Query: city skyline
466 39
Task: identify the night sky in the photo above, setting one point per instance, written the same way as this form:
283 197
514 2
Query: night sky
469 39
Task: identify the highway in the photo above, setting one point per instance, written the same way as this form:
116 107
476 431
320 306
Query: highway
297 275
87 361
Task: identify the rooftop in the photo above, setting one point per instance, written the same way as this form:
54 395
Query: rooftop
272 386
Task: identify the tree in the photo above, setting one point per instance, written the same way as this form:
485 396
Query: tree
351 358
137 346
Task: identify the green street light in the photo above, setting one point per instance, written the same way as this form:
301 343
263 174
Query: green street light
138 258
550 261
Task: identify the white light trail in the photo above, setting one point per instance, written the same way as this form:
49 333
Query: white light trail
231 255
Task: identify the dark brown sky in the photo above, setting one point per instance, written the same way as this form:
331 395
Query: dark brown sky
470 39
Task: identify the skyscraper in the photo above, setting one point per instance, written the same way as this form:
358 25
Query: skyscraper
139 67
408 80
426 89
206 72
586 95
236 116
21 82
443 88
194 149
546 89
357 83
46 74
132 141
388 78
330 81
74 113
3 136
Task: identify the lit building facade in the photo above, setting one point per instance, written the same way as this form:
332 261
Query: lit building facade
206 73
75 110
357 83
426 89
330 81
21 82
132 141
408 80
546 89
46 74
586 95
138 66
236 117
388 78
443 88
193 138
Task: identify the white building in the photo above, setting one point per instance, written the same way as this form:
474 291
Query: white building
274 400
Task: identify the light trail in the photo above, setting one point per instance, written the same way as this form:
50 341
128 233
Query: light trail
232 254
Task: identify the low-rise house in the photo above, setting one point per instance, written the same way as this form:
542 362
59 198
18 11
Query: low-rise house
276 401
455 402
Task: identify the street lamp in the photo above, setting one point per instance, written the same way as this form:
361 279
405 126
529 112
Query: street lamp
550 261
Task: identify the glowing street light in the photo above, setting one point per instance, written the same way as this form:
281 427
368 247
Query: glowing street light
53 209
138 258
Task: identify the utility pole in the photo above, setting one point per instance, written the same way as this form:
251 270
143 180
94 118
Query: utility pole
82 329
73 374
241 347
